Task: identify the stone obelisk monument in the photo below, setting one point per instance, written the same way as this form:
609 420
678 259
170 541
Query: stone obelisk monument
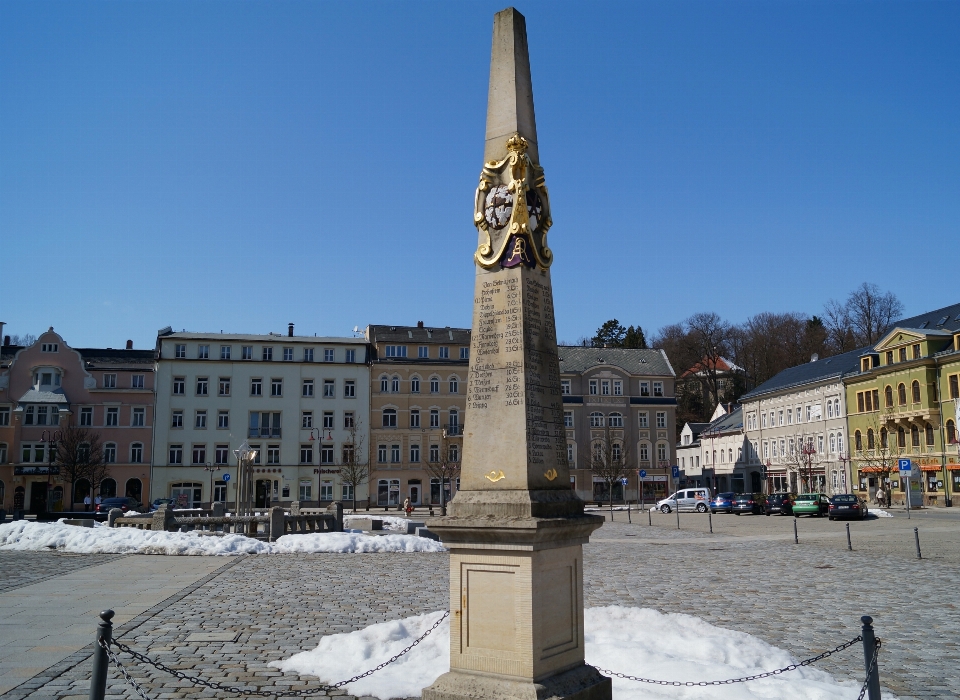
516 527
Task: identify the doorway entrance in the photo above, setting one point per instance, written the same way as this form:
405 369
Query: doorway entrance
38 497
262 493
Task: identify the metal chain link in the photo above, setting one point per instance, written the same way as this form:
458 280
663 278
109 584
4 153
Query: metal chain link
873 665
116 660
262 693
767 674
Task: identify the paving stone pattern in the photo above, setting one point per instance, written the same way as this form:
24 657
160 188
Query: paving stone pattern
18 569
748 576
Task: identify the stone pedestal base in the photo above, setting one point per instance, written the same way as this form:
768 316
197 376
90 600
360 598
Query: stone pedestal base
582 683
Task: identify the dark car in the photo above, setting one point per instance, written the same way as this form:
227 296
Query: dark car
722 502
755 503
847 505
124 503
781 503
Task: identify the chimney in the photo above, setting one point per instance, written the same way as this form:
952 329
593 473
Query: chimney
129 345
419 324
290 329
2 324
6 340
814 357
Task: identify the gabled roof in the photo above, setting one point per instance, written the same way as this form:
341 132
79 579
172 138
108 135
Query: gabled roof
719 364
947 318
578 359
110 356
417 334
54 397
731 422
810 372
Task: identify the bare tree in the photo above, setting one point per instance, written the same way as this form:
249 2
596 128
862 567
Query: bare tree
862 318
803 460
355 463
446 468
25 340
608 457
877 452
80 456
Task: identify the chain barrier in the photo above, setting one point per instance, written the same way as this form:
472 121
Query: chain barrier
767 674
873 666
213 685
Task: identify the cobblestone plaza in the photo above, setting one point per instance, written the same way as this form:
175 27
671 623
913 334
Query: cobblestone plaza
749 576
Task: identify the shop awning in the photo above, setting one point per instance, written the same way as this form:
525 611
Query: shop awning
930 467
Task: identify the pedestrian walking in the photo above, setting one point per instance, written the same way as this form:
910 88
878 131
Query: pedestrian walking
407 508
881 497
86 502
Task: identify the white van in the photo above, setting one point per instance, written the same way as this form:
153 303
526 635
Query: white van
686 500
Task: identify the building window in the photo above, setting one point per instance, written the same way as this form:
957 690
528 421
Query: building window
109 381
306 419
434 385
113 416
246 352
644 418
181 352
929 435
348 421
596 420
464 353
266 354
887 396
308 354
176 454
902 394
901 438
454 453
434 453
396 351
658 388
617 388
265 424
916 351
221 452
202 386
223 386
662 452
200 420
565 387
349 389
414 453
328 355
306 490
109 453
644 388
605 387
415 418
349 454
199 454
644 452
916 391
568 419
273 454
903 354
176 419
136 453
326 490
48 347
389 418
224 352
307 389
384 384
454 385
86 416
434 418
326 454
415 385
954 382
914 436
395 384
388 492
276 387
223 420
381 453
288 354
951 432
395 454
616 420
593 387
328 420
329 390
444 353
136 381
780 417
203 352
870 439
661 419
423 352
570 460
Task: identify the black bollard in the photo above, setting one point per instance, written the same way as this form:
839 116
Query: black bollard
629 519
650 517
869 649
796 537
849 544
916 538
98 680
710 518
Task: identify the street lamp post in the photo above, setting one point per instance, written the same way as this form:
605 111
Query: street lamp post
211 468
51 437
808 450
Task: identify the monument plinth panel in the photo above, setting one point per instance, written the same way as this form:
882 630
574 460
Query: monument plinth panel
516 527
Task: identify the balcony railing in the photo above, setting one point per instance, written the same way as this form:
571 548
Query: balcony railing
454 429
264 432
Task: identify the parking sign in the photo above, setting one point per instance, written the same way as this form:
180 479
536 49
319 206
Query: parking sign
676 471
906 467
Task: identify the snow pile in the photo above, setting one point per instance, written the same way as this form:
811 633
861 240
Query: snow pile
26 535
390 522
640 642
880 513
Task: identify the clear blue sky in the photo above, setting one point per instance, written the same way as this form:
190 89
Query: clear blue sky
238 165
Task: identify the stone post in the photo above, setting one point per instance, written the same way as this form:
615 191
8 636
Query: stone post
162 518
295 508
218 510
516 528
277 523
113 515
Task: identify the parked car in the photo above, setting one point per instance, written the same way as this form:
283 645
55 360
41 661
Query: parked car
688 499
811 504
754 503
157 502
124 503
722 502
847 505
781 503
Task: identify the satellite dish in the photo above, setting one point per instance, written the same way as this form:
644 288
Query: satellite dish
356 329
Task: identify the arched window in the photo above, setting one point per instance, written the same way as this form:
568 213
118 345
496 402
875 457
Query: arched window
384 384
596 420
914 436
644 452
110 452
858 441
883 438
916 391
434 385
840 443
888 395
829 409
901 436
662 452
134 488
108 488
454 384
598 452
616 420
414 384
833 443
929 431
136 453
902 394
951 432
730 454
870 444
616 452
3 454
395 384
723 457
389 418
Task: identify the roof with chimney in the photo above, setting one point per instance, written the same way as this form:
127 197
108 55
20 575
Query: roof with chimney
421 333
945 319
578 359
828 368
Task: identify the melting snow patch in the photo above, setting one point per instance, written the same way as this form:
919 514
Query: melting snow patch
881 513
25 535
390 522
639 642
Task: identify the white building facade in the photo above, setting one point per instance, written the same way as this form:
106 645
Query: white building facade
724 455
303 403
796 427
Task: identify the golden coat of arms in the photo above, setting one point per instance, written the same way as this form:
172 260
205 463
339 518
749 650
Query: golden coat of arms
513 235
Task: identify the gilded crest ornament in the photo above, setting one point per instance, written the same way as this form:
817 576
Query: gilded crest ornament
513 235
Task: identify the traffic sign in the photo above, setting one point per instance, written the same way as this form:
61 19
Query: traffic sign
676 471
643 473
906 467
623 481
226 477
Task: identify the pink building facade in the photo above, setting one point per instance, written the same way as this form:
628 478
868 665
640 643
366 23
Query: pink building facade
48 386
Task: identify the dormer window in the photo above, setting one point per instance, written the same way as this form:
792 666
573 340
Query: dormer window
46 379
